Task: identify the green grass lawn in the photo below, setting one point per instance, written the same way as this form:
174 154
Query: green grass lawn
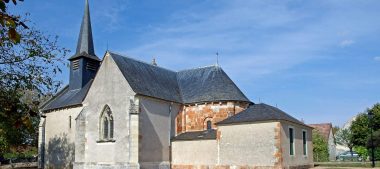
346 164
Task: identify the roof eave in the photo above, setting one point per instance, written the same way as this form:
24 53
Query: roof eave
257 121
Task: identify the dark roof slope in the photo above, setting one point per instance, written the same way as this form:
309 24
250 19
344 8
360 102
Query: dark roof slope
67 98
260 112
208 84
188 86
196 135
147 79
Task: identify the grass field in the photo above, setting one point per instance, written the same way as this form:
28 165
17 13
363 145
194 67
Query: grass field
332 165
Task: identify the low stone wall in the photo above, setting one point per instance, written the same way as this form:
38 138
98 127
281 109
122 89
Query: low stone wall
105 166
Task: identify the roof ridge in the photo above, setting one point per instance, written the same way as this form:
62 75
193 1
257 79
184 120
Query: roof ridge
202 67
141 61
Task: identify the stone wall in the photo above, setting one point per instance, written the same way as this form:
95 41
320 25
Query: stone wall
196 152
155 121
194 117
298 160
248 144
59 138
108 88
332 147
262 145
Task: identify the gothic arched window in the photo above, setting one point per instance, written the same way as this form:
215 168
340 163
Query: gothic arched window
106 124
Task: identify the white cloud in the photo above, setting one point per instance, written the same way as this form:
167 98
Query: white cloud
377 58
346 43
253 37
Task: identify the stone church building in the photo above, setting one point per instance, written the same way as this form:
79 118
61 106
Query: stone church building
119 112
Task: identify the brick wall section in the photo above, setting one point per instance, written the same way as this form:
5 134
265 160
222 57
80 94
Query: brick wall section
194 117
278 153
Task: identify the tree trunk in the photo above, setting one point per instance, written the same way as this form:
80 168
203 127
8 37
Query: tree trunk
352 154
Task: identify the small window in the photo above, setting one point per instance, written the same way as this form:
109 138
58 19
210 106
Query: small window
209 126
304 142
69 121
106 125
291 141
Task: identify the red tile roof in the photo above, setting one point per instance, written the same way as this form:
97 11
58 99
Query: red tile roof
323 129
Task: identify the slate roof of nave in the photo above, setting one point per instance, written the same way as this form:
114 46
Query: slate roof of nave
188 86
197 85
67 98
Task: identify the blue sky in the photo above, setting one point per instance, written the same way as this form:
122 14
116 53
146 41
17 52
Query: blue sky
317 60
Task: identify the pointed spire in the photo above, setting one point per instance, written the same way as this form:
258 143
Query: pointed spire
85 43
85 46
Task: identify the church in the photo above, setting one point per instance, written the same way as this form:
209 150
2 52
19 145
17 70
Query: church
120 112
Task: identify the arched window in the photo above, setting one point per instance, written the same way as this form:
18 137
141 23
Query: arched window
106 124
209 127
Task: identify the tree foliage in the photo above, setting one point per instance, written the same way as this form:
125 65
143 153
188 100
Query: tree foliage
10 23
360 126
344 137
29 67
320 148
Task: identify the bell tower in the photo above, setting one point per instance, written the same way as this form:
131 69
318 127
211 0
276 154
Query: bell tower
84 64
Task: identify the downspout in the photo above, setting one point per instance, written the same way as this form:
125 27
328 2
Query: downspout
170 134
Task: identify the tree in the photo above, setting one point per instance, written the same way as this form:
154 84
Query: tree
335 129
345 137
320 147
360 126
10 22
28 72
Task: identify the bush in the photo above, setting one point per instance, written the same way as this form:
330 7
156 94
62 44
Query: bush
362 151
320 148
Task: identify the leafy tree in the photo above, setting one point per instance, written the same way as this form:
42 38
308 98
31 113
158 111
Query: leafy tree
29 66
360 126
320 147
335 129
345 137
10 22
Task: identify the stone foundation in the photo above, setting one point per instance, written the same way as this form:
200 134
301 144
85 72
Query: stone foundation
105 166
155 165
237 167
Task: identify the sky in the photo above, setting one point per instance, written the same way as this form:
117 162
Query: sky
317 60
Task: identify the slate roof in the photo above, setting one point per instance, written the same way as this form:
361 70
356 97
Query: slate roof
67 98
260 112
208 84
196 135
85 46
187 86
324 129
147 79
